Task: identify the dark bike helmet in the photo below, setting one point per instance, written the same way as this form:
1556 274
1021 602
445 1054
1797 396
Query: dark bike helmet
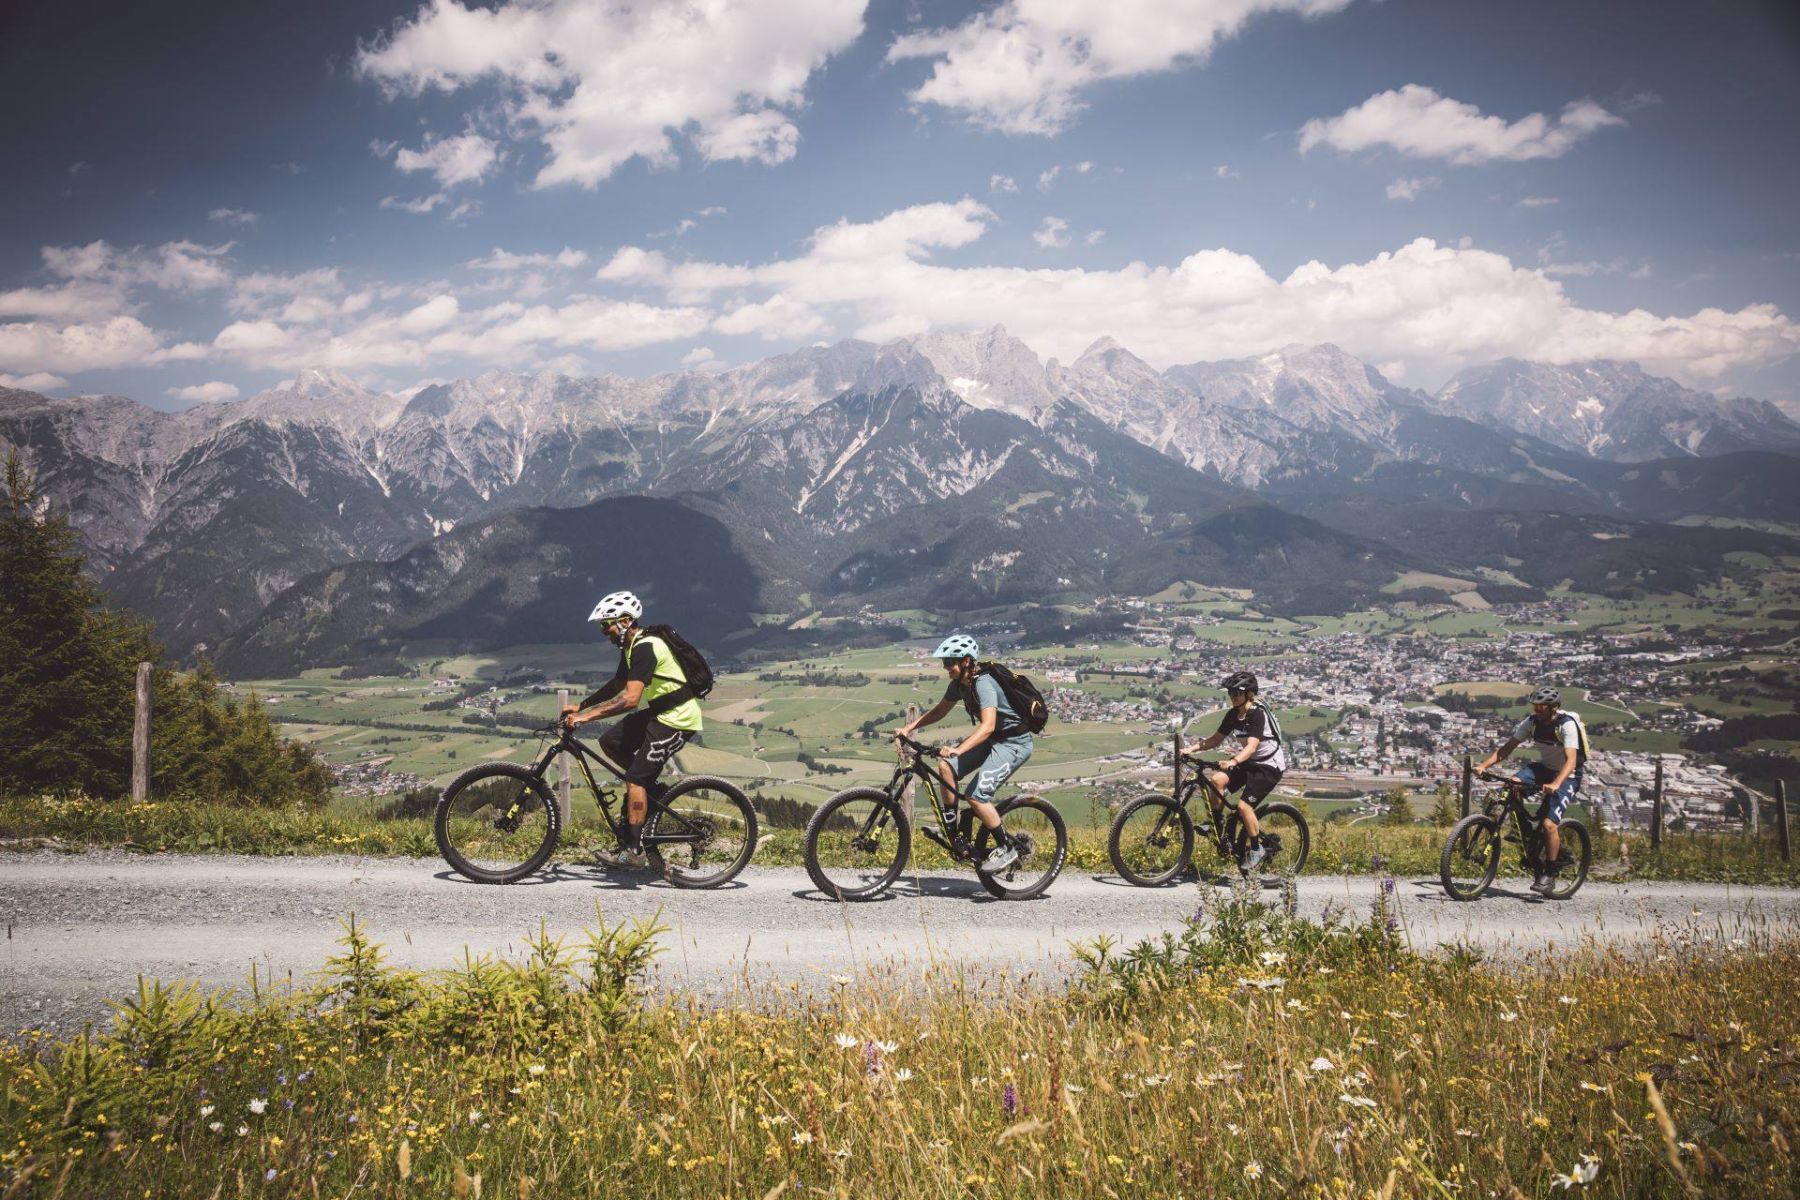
1240 681
1546 695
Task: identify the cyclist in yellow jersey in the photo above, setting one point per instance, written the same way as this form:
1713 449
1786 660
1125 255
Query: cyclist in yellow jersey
649 674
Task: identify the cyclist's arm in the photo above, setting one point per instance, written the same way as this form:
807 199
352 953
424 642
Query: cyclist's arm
1568 769
937 713
1244 755
984 729
625 701
1499 756
1206 743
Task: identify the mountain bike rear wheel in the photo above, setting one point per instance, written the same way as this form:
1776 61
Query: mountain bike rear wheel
1471 857
1573 862
857 843
1042 838
702 835
1151 841
496 823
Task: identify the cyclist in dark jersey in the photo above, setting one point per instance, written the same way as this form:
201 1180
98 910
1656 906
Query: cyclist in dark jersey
643 743
1256 766
1561 742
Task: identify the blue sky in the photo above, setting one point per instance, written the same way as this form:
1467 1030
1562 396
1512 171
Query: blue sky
203 201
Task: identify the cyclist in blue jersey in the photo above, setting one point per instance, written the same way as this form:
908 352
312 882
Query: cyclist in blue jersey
998 746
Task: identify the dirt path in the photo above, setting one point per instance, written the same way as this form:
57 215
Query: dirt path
80 929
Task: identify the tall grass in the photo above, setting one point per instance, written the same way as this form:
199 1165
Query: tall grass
190 827
1251 1054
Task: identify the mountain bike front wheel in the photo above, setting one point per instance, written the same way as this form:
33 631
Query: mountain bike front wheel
857 843
1042 839
702 834
496 823
1471 857
1151 841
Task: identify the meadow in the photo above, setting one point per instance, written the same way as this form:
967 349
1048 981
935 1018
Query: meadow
1248 1054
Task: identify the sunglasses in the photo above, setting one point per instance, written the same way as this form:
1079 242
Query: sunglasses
1237 691
615 623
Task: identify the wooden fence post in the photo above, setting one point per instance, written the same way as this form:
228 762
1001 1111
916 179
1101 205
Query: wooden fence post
1656 808
1781 821
1468 782
1177 790
140 738
564 772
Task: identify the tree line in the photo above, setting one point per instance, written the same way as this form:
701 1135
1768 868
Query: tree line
68 672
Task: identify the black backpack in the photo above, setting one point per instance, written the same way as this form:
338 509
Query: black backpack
693 664
1020 692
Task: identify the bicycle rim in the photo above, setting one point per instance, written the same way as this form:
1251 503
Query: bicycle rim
1573 861
1151 841
716 828
857 844
496 829
1470 857
1286 841
1038 832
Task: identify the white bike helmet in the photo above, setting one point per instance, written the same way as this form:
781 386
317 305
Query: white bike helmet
957 645
615 605
1546 695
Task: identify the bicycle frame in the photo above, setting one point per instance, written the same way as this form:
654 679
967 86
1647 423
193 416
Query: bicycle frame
567 743
915 766
1513 805
1200 782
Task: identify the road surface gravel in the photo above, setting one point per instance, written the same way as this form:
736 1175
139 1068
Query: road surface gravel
81 928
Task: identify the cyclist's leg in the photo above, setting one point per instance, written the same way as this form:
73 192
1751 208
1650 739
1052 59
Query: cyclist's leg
999 761
952 768
1550 814
657 746
1259 781
1240 779
1219 787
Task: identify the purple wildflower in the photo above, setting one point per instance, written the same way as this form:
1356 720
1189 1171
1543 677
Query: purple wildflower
1377 861
871 1060
1009 1102
269 1175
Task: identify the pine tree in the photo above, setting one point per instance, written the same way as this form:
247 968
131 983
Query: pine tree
1445 812
1399 808
68 670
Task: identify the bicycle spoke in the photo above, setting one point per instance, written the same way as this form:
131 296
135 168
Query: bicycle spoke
857 844
495 829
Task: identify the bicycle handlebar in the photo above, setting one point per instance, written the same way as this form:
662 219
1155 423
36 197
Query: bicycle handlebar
919 748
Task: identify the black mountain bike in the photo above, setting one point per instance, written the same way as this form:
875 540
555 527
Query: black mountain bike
1471 854
1152 839
858 842
499 822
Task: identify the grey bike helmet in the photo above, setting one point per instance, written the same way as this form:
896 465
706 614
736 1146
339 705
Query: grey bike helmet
1546 695
957 645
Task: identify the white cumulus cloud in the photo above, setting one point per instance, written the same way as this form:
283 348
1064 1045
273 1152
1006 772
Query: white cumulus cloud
1022 66
37 381
1051 233
462 159
1410 187
205 393
1417 121
502 260
603 84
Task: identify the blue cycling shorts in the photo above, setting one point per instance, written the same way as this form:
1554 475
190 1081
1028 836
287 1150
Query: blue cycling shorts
1555 805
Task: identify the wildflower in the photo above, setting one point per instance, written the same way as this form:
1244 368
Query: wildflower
1233 1128
844 1041
1321 1063
269 1175
243 1130
1355 1101
535 1069
871 1060
259 1106
206 1110
1465 1133
1009 1102
1595 1087
1253 1170
802 1138
1509 1016
474 1116
1074 1089
841 980
1582 1173
1565 1000
902 1075
1273 958
217 1126
887 1047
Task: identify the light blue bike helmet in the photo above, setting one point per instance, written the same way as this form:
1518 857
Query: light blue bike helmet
957 645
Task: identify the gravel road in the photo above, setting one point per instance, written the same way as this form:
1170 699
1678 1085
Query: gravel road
81 928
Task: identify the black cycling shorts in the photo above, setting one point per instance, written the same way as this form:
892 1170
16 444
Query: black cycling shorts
1253 780
644 745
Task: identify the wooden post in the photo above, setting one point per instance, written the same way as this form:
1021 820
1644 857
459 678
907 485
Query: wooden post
564 769
1468 783
1656 808
1177 791
1781 821
140 738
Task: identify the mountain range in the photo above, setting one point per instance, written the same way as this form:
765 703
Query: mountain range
955 470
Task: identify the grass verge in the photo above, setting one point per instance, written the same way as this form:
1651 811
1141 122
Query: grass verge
1249 1054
